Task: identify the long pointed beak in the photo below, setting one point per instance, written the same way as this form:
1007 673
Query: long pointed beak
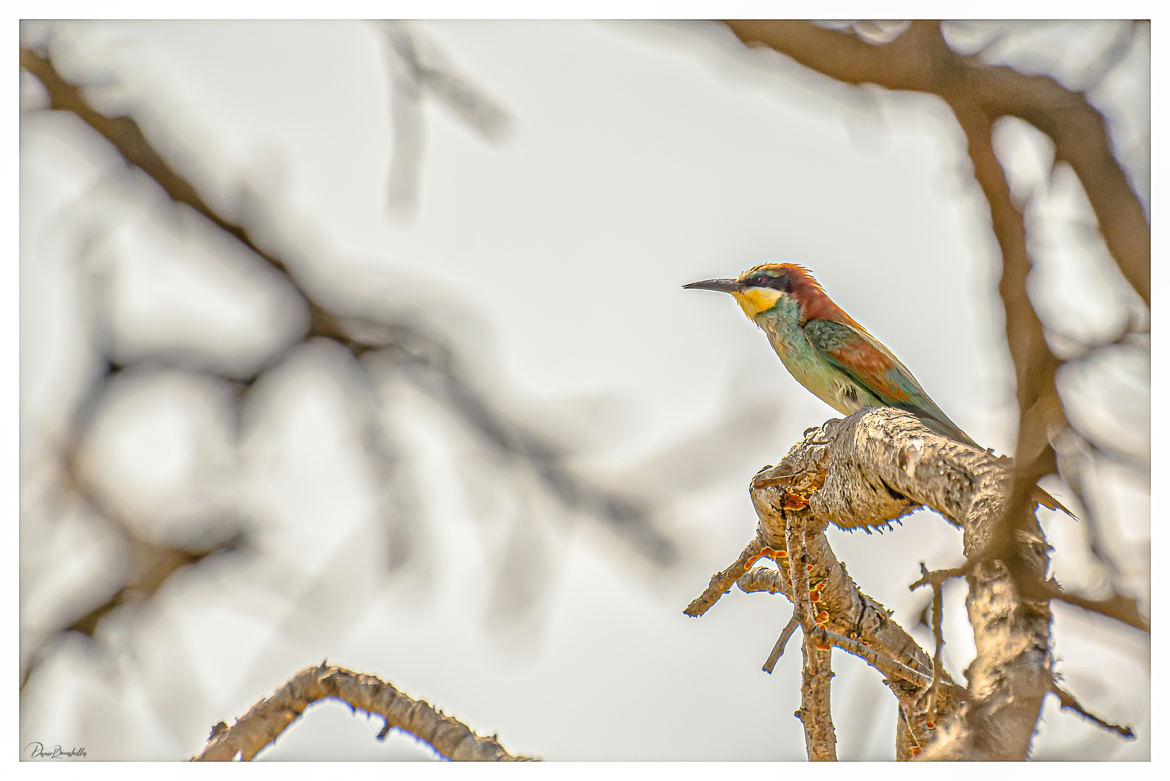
720 285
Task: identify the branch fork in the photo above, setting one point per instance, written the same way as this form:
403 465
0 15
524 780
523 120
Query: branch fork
865 471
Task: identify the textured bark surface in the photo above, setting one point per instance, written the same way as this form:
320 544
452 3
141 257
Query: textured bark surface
820 737
1009 677
267 719
866 471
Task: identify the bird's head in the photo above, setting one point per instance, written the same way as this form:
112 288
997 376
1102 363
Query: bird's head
761 288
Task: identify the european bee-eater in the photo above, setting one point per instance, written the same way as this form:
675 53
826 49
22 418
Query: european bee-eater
829 353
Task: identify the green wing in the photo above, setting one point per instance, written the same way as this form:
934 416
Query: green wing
868 363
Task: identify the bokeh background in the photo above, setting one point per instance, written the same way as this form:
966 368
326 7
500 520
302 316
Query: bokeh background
503 506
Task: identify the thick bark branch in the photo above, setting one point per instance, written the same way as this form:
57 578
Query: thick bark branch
864 471
890 452
867 470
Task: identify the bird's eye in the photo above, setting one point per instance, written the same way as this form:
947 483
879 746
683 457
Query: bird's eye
760 280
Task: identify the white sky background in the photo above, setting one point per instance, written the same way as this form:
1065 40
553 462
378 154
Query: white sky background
639 156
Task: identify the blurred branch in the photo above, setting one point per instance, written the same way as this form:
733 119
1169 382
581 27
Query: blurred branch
429 73
407 344
1120 46
1040 407
417 70
150 564
920 60
1117 606
268 718
414 352
127 138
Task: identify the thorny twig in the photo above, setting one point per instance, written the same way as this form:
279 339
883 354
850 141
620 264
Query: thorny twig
1069 702
935 580
762 579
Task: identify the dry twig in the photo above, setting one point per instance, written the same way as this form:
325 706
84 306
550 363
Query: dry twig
1069 702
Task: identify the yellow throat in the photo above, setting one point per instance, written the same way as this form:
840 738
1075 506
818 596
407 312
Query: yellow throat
756 299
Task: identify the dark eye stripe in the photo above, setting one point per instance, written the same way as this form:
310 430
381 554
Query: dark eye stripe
779 282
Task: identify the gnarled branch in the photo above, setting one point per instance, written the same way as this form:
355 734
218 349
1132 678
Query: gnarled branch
869 469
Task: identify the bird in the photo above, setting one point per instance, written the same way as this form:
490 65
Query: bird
830 353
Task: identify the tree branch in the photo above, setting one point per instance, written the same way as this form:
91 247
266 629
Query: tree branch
869 469
816 675
920 60
1069 702
267 719
1006 551
830 476
425 356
